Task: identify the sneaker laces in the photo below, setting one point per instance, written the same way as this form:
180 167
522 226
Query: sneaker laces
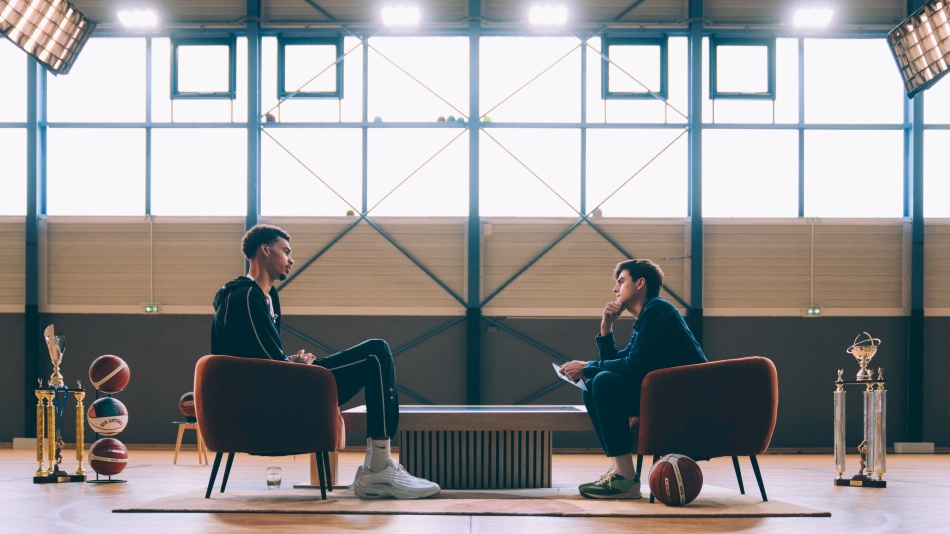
605 478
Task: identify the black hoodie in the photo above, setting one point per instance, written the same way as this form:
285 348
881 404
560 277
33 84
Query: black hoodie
242 323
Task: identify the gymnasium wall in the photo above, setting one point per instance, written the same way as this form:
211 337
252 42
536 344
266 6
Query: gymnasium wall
95 275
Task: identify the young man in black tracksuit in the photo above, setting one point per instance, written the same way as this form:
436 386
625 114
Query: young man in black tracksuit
247 323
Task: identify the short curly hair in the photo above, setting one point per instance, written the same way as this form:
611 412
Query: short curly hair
646 269
261 234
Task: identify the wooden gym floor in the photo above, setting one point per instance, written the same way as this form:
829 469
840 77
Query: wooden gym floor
918 488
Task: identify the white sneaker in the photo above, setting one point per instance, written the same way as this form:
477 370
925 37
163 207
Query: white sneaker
359 473
393 482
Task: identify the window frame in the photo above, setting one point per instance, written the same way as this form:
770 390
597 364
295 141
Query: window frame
607 42
230 42
282 42
767 42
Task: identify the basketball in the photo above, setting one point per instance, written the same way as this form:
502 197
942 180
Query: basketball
186 404
675 480
107 416
108 456
109 374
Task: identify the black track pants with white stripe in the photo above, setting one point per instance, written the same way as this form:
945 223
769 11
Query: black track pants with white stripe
368 366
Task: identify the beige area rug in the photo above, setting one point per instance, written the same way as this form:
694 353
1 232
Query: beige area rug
557 502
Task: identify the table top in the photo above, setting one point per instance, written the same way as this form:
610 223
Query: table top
485 417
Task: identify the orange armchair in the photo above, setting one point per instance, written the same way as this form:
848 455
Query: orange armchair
269 408
708 410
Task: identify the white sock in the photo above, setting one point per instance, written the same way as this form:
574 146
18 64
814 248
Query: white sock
623 465
369 452
379 455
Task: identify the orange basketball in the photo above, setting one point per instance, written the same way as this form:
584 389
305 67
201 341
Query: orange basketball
108 456
186 405
109 374
675 480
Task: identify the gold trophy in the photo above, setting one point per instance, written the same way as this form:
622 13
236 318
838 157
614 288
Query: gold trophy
872 450
56 343
863 349
50 408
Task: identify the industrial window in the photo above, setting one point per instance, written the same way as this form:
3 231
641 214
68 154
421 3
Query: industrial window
529 172
203 68
201 171
672 109
837 92
309 67
936 174
742 68
750 173
530 79
95 171
854 173
13 88
634 68
637 172
311 171
418 79
107 84
418 173
13 177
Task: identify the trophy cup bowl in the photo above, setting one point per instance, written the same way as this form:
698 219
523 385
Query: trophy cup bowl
56 343
863 350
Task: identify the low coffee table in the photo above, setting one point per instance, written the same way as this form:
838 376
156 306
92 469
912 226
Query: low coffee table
479 447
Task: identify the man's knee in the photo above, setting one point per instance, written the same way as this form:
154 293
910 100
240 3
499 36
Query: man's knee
378 347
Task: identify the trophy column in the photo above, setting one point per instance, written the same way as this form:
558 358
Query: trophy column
840 420
872 451
80 429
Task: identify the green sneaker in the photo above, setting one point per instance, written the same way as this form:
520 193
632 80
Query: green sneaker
611 486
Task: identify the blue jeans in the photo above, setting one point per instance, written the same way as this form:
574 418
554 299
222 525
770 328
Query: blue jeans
368 366
611 399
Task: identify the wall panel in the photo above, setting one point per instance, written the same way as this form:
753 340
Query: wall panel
575 277
92 266
778 267
937 267
363 272
12 264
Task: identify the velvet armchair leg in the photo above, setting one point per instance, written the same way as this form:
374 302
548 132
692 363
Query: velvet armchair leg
326 467
321 473
758 477
227 471
735 464
214 474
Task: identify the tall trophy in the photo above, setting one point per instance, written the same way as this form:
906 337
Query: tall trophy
871 451
56 343
50 407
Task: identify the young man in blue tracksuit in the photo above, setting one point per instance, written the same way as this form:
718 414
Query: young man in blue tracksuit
660 339
247 323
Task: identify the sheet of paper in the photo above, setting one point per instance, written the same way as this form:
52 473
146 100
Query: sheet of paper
579 382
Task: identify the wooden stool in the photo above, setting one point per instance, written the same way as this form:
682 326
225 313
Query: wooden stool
202 451
314 477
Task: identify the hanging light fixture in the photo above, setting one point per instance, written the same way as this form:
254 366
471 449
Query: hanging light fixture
52 31
921 46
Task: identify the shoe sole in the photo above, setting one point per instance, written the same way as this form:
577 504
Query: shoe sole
618 497
395 495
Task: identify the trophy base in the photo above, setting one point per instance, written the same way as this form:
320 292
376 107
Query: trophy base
861 481
56 479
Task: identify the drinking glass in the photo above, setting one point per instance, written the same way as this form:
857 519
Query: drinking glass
273 478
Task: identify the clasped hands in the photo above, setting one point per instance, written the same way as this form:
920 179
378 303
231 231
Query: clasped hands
302 357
